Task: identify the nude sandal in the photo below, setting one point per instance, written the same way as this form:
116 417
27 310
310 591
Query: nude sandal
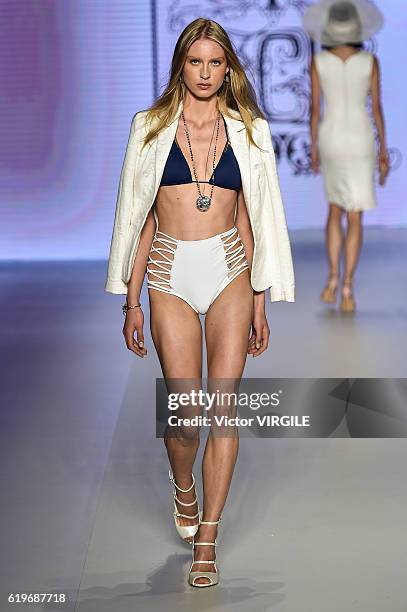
348 302
328 294
185 531
213 577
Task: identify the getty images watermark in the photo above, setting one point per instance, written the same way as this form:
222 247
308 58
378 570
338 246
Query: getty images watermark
215 402
283 407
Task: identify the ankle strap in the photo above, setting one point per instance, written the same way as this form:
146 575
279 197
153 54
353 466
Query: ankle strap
211 522
171 477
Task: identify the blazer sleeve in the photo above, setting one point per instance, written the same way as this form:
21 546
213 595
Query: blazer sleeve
284 289
124 205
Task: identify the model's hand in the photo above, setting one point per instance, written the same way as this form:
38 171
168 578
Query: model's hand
314 160
134 322
259 339
384 166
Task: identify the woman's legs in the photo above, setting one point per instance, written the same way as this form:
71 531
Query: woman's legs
227 328
334 242
353 244
177 335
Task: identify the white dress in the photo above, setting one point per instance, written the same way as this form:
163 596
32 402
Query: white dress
346 141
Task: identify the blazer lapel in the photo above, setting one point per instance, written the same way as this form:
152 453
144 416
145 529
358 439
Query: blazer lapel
163 145
242 151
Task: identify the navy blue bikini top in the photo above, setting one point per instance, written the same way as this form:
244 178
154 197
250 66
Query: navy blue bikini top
226 174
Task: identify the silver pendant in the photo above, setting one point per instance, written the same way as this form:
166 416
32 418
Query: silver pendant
203 203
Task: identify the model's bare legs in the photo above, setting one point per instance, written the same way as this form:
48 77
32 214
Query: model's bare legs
227 329
334 243
177 335
353 245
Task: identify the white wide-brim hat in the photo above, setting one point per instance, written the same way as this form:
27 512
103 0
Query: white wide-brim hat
337 22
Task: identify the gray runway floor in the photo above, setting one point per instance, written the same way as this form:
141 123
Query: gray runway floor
310 524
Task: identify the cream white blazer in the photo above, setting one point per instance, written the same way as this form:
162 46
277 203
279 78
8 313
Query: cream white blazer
140 178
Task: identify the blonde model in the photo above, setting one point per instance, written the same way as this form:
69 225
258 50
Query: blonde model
199 210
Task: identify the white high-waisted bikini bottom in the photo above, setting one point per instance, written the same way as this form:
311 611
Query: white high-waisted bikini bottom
195 270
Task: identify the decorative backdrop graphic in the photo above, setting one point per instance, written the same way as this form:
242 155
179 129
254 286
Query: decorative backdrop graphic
276 56
74 74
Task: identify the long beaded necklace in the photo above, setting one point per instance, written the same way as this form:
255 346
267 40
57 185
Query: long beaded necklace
203 202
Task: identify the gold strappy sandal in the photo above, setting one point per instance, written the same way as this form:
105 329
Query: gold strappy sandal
213 577
185 531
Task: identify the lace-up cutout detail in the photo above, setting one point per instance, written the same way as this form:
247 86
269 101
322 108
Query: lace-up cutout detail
235 257
162 263
196 271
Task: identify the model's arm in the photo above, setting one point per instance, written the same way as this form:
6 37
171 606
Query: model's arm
315 114
376 103
242 223
134 317
140 261
114 282
281 269
379 120
259 337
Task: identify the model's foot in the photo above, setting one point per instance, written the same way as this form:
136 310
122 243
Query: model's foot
328 294
205 533
348 301
187 498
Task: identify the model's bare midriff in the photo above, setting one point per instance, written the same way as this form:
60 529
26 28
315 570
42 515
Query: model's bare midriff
179 217
175 205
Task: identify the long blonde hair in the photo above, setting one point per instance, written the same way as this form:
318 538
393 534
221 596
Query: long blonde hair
236 93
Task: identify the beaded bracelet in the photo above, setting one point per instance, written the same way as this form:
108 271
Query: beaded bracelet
125 308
